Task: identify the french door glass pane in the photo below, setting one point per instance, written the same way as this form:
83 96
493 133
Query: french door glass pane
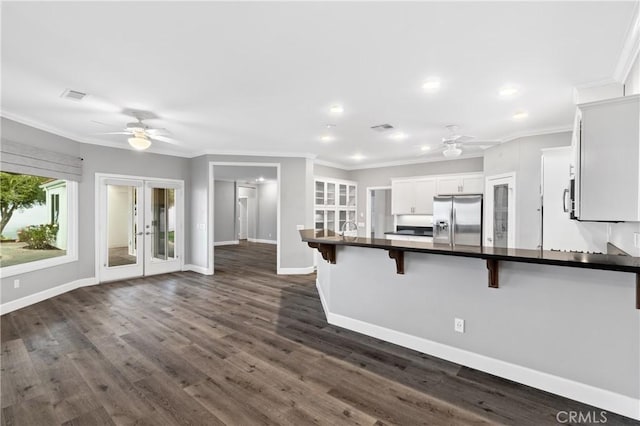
163 223
122 215
343 195
501 215
352 196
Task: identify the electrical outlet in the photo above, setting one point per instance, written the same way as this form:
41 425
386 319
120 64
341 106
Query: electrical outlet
636 239
16 283
458 325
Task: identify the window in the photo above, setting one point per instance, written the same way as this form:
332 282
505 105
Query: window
38 222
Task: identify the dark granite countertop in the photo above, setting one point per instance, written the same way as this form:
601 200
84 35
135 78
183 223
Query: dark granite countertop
559 258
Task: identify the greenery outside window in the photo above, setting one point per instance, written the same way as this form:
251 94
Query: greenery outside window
38 222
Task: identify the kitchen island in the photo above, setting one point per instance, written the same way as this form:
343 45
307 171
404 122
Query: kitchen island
563 322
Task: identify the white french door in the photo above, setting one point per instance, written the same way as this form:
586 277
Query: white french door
140 224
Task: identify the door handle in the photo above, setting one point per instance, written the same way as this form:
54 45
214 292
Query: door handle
148 233
140 233
564 200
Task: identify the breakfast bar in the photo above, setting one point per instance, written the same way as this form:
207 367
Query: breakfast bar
509 312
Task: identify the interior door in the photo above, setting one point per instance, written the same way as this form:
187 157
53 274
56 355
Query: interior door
500 219
162 227
243 218
121 229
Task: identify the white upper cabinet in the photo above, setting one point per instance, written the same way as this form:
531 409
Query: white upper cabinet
608 173
413 196
462 184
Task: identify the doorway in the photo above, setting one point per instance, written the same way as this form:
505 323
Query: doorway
140 223
379 217
500 217
244 213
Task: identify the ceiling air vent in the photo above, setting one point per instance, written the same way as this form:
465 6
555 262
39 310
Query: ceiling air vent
74 95
382 127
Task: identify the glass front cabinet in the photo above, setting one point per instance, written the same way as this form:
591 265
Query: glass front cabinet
335 203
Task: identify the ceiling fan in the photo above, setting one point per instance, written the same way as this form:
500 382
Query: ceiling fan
453 141
141 134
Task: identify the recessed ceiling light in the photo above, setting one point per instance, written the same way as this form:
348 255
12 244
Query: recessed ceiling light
431 84
327 138
399 136
358 157
520 115
336 109
507 91
260 179
425 148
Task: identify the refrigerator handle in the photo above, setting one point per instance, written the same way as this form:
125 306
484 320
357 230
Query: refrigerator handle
452 232
564 200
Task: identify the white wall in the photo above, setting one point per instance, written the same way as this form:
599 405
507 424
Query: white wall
523 157
267 211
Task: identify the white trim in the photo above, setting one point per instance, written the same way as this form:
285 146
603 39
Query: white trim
330 164
210 207
259 240
31 299
323 301
630 49
307 155
72 240
196 268
610 401
296 271
226 243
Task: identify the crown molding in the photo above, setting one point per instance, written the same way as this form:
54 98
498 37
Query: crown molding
306 155
80 139
630 49
540 132
330 164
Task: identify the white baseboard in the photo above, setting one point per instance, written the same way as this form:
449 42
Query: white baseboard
258 240
323 301
31 299
225 243
199 269
602 398
296 271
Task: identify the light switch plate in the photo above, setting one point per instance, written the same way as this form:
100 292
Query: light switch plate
458 325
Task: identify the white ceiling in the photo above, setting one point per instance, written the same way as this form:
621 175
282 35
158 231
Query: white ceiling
260 77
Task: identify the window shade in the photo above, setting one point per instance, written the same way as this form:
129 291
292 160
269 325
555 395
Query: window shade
29 160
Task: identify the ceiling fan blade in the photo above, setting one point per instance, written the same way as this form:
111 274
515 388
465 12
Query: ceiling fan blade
115 133
481 142
164 139
158 132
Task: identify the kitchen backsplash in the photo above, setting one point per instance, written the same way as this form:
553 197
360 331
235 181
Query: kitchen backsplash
415 220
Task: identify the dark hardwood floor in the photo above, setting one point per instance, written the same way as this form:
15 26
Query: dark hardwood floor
243 347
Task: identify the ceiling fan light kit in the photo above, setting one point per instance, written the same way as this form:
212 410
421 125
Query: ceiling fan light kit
452 151
139 142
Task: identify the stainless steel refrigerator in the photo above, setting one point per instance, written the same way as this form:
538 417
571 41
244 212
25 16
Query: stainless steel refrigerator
457 220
